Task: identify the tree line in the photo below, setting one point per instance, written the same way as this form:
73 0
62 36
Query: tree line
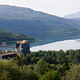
42 65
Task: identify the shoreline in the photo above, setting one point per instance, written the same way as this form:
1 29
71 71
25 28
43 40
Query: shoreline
59 45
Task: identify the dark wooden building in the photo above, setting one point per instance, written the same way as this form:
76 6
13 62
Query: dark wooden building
8 55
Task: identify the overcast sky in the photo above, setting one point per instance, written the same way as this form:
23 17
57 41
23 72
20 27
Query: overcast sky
55 7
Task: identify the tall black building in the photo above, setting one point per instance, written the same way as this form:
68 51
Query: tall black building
23 47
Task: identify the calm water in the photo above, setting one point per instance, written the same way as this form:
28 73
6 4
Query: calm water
31 45
37 43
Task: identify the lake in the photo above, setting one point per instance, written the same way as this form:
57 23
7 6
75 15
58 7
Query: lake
39 42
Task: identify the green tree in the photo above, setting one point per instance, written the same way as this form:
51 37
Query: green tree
51 75
30 75
73 74
41 66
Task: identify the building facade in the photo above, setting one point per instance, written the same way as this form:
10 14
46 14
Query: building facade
23 47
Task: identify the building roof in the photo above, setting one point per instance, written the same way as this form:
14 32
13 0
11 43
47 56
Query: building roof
9 53
22 42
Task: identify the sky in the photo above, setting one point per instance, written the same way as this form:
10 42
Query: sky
55 7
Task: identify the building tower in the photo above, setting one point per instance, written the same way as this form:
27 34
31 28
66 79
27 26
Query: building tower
23 47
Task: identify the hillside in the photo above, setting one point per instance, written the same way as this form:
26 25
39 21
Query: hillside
37 24
10 37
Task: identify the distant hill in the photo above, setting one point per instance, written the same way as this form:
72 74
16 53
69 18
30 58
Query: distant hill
73 16
37 24
9 37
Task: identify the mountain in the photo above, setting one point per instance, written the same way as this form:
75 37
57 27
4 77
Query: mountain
73 16
42 26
